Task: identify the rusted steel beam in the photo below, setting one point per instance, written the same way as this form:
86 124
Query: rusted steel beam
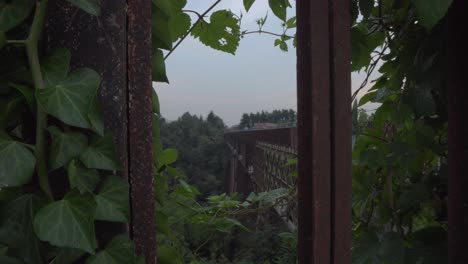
98 43
280 136
341 128
324 131
457 135
140 119
314 149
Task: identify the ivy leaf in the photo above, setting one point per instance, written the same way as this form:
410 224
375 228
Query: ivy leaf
70 99
81 178
179 25
366 7
16 227
100 154
68 222
12 13
159 67
89 6
16 163
65 146
430 12
161 33
55 67
248 4
112 200
95 116
28 95
67 256
119 250
165 6
221 33
279 8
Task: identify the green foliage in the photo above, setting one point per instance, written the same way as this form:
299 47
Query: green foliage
400 150
283 117
68 222
119 250
16 163
221 33
51 128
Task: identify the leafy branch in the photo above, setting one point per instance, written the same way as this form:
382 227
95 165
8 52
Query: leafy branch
200 18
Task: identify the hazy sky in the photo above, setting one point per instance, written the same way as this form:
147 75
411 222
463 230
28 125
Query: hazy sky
259 77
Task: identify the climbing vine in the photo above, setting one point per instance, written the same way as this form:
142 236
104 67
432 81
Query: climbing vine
50 128
400 153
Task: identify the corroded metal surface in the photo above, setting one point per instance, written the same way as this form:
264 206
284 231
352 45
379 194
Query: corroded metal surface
140 120
100 44
314 149
341 149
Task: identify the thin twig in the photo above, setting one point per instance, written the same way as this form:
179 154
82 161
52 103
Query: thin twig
370 70
200 16
266 32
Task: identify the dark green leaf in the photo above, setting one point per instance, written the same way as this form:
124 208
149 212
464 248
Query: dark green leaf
16 227
81 178
16 163
119 250
279 8
90 6
68 222
162 223
112 200
291 23
95 116
248 4
169 156
221 33
55 67
155 102
12 13
165 6
161 33
28 95
179 24
100 154
159 67
65 146
70 99
430 12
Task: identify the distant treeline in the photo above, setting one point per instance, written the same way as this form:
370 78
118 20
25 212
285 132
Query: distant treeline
283 116
200 144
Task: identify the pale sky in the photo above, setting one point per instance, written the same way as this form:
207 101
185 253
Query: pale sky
259 77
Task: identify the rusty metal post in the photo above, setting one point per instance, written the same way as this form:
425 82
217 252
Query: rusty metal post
140 120
324 132
100 44
457 134
117 44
